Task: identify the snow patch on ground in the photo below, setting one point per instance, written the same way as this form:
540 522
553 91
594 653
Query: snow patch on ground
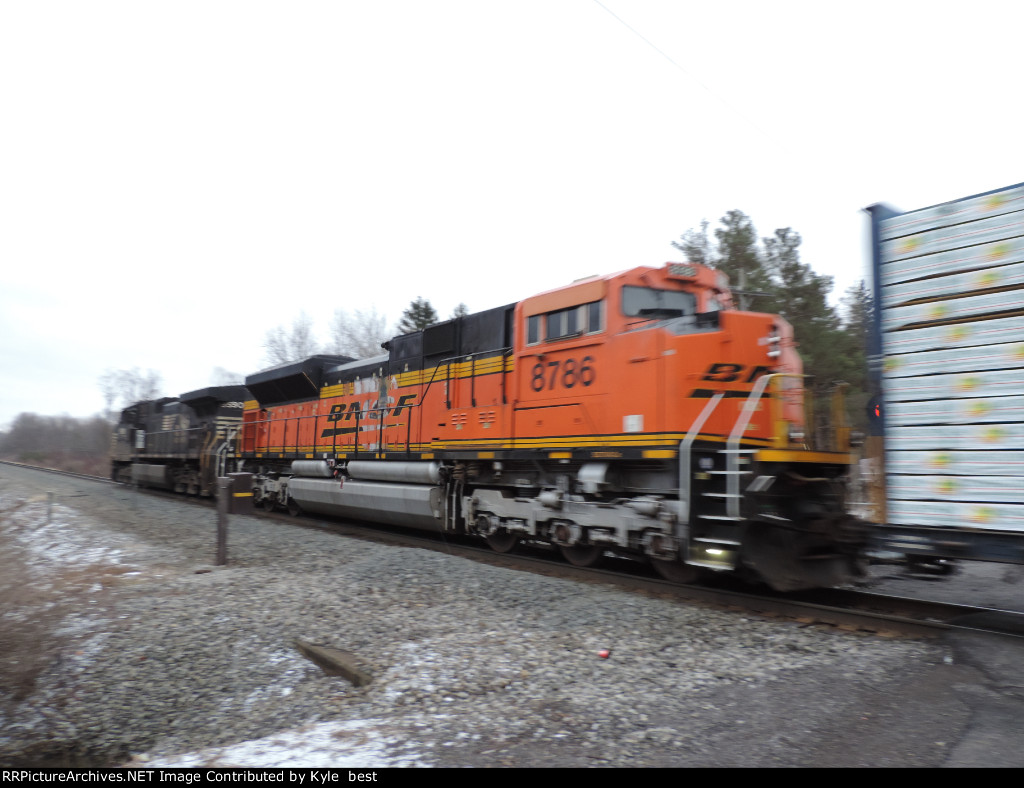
353 744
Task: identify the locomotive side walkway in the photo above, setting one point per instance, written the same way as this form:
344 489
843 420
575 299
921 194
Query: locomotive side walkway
122 645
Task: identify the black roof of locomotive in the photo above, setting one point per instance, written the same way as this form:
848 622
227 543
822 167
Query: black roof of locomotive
293 381
479 332
205 401
136 413
216 394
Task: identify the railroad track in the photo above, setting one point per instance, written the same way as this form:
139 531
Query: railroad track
59 472
845 609
842 608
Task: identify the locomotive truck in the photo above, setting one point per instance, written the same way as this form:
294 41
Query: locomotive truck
637 413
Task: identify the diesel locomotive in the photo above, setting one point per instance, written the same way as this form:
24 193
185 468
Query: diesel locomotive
637 413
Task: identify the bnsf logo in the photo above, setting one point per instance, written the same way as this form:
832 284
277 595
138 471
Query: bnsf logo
730 373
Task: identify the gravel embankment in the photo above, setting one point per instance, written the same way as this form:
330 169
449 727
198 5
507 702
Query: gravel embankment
124 645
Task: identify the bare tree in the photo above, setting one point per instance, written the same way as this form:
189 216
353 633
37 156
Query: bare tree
282 345
122 387
225 377
358 334
109 389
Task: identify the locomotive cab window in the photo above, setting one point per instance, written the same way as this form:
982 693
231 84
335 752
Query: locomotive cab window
653 303
533 329
565 323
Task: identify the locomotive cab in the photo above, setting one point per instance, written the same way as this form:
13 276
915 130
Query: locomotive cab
677 403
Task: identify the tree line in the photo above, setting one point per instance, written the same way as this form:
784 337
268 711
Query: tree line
358 334
65 442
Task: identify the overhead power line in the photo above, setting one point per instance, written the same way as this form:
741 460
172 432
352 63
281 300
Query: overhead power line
661 52
777 143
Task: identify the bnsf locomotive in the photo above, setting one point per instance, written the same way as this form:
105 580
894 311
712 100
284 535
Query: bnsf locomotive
637 413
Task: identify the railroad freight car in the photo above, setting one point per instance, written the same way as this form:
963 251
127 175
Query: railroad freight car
638 413
948 363
181 444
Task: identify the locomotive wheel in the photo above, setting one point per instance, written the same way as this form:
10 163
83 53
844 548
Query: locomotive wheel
502 541
582 554
269 503
676 571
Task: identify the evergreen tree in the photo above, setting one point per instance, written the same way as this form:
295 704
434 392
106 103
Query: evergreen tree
797 293
418 316
773 279
696 245
460 311
857 305
801 296
858 312
738 257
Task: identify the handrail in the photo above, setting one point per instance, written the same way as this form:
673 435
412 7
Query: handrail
685 475
811 440
254 438
841 429
222 450
733 443
167 441
732 505
295 446
503 354
472 380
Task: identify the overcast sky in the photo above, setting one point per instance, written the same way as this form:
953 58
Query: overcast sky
178 178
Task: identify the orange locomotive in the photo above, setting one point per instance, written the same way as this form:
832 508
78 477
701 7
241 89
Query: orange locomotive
638 413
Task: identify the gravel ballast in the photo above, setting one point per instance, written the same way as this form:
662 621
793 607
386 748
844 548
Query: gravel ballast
146 655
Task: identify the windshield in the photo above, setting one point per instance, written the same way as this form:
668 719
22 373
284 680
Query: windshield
649 302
